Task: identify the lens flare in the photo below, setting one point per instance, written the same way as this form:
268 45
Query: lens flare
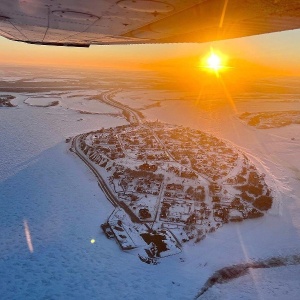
28 236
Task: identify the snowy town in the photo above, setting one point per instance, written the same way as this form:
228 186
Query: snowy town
170 185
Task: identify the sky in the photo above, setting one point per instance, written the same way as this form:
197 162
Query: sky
275 50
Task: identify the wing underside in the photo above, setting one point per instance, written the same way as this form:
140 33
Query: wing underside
106 22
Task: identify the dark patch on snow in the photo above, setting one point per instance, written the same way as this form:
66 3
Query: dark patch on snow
229 273
5 101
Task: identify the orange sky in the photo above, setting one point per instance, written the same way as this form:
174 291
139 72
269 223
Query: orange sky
272 51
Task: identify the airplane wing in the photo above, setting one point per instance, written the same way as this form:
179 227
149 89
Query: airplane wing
106 22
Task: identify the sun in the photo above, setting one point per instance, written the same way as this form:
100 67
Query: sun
214 62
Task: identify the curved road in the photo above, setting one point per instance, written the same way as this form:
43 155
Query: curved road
101 182
106 190
107 98
134 118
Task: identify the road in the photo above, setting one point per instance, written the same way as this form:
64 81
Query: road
102 184
107 98
134 118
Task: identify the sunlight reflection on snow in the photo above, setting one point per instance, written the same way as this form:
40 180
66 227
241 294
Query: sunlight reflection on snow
251 272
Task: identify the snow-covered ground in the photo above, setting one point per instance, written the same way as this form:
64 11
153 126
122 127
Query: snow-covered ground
42 101
84 104
51 208
48 80
141 99
276 152
47 194
11 78
263 284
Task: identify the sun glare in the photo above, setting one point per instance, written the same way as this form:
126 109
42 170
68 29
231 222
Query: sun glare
214 62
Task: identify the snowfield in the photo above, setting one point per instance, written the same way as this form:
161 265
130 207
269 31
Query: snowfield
51 208
83 104
267 284
44 186
42 101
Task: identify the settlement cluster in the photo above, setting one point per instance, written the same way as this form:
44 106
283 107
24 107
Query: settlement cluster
172 185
